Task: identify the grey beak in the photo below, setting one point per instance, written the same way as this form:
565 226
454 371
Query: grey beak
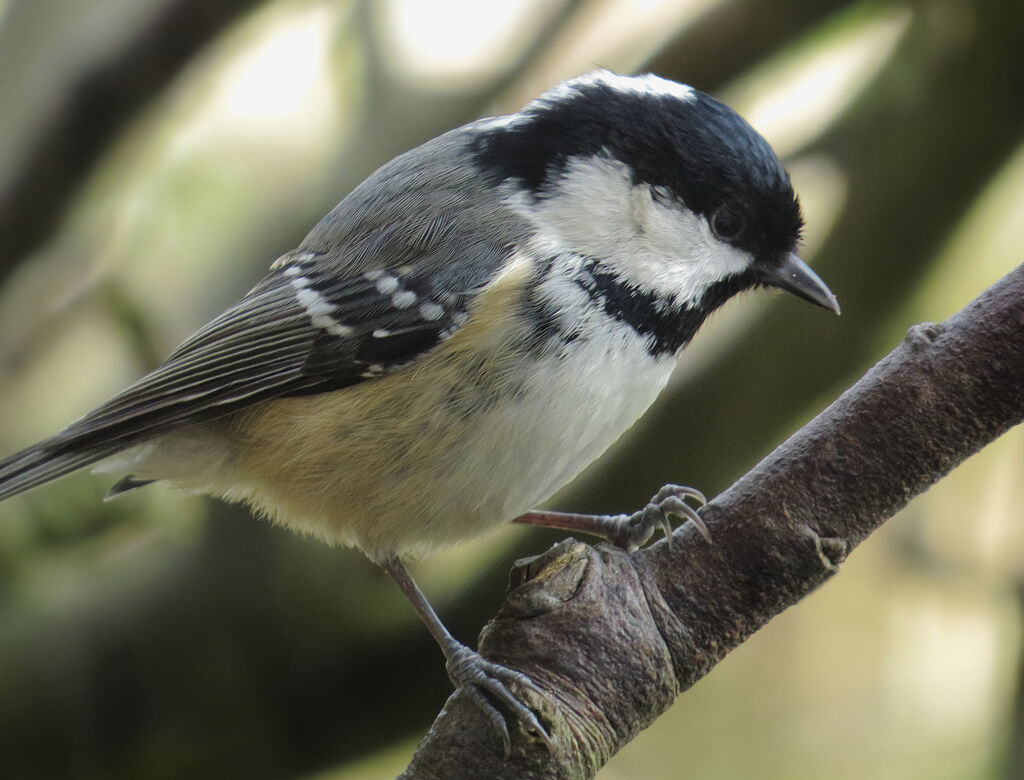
795 276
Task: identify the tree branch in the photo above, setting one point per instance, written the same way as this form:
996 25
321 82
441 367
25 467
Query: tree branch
613 637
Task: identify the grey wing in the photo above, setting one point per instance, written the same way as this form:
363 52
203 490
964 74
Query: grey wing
303 329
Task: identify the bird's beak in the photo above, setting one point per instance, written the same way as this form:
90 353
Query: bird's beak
795 276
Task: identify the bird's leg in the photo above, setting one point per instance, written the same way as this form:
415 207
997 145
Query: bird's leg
468 670
630 531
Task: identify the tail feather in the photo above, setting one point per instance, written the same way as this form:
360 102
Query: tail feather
46 461
126 485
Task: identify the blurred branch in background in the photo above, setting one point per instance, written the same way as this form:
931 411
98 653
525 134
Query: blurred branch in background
93 109
733 36
139 640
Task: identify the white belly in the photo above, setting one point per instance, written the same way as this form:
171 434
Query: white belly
510 455
536 443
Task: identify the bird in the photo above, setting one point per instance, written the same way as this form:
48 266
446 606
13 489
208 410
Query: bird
462 334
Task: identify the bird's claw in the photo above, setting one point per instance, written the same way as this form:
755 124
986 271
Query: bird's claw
633 530
483 680
630 531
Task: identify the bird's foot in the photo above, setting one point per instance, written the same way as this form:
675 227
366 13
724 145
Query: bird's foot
631 531
483 680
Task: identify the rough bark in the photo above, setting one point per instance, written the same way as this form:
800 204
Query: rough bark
613 637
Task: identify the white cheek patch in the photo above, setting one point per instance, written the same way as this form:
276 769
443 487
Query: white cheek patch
596 210
588 211
675 252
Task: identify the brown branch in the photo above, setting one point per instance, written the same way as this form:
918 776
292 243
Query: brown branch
613 637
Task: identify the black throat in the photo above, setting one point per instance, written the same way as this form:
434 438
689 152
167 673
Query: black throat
666 325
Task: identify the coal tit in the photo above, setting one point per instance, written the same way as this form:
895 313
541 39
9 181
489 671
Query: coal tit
463 333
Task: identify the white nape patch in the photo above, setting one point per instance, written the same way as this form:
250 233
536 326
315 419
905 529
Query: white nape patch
657 245
319 309
646 84
404 299
431 311
386 284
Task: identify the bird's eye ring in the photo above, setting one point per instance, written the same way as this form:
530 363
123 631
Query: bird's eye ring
726 224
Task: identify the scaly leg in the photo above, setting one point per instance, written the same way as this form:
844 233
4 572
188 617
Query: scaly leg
630 531
468 670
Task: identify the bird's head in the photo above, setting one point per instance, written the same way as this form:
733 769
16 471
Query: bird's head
670 189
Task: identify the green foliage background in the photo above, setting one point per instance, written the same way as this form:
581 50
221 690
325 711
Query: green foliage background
156 156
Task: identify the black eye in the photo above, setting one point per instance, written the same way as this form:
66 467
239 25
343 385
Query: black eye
726 224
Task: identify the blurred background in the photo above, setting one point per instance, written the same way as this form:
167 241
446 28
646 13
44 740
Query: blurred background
157 155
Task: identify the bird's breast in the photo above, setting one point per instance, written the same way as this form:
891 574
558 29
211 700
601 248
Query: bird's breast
493 422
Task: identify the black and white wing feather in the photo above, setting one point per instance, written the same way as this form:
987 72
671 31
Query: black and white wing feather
380 281
302 330
299 331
